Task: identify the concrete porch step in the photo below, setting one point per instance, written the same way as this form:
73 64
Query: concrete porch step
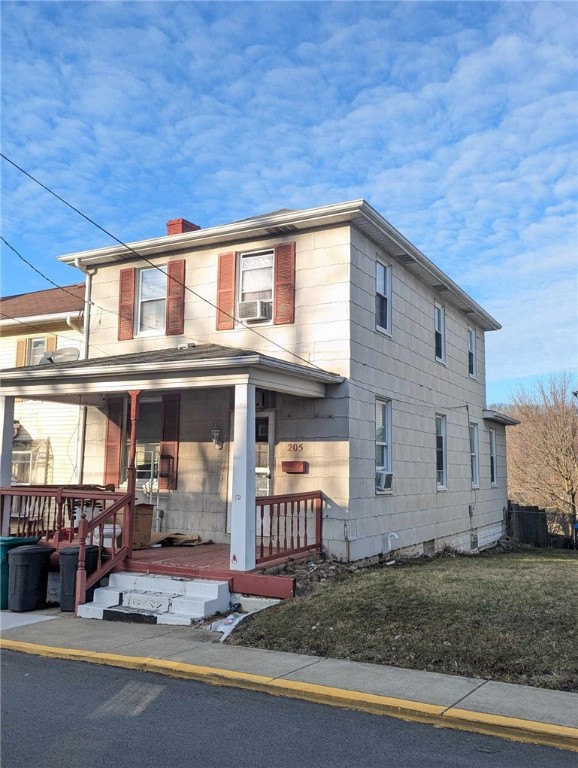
157 599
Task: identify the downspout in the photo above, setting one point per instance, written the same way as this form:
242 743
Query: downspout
83 356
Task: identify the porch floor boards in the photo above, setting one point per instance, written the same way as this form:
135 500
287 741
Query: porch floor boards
207 561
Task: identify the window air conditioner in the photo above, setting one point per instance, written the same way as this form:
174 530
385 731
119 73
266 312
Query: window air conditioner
383 480
254 310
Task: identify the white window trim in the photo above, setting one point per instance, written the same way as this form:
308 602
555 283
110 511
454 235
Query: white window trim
238 280
493 459
381 402
472 350
30 349
138 303
441 330
443 484
386 295
473 435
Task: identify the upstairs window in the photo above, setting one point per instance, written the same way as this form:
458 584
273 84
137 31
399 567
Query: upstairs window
258 286
441 462
440 333
472 362
30 351
474 456
383 297
36 349
151 301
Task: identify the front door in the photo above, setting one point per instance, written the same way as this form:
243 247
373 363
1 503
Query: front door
263 453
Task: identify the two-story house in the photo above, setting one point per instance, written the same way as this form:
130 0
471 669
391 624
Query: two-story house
289 352
36 328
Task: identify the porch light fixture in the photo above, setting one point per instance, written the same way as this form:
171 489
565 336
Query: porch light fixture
216 438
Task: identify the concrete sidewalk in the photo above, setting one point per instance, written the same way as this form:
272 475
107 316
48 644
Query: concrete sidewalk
517 712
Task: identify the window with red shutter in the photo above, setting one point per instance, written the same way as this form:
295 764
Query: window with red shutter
284 293
175 320
226 291
126 304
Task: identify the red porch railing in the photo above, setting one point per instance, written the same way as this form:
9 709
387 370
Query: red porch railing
288 525
52 512
62 515
105 530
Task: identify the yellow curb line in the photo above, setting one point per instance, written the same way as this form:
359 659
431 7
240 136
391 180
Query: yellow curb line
515 729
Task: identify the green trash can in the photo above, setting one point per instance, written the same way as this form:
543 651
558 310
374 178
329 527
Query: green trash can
6 543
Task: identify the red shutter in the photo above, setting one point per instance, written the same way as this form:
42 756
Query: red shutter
112 445
175 322
284 291
170 443
126 304
226 291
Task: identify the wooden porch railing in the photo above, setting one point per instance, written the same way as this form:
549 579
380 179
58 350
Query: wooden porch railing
104 531
288 525
64 515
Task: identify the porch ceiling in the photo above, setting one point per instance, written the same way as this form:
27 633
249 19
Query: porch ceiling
200 366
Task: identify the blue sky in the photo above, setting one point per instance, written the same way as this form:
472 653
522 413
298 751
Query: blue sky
457 121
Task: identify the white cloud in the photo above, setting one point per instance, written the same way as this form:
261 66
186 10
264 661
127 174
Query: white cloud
456 121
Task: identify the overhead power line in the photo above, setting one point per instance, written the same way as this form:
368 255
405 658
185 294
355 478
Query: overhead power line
155 266
63 288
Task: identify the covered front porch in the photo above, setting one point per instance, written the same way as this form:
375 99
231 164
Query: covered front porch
256 530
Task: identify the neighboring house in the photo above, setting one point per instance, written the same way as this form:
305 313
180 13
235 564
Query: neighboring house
33 326
295 351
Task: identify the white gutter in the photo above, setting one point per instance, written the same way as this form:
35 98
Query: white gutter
46 318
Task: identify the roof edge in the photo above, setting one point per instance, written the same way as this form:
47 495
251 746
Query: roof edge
500 418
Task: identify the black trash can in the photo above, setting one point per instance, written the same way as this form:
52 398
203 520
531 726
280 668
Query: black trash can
28 577
68 567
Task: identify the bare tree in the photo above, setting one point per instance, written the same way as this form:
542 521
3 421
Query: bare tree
543 449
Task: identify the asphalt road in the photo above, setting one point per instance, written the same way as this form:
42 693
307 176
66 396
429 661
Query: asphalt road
62 714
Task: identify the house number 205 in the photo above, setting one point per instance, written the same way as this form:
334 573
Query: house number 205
294 447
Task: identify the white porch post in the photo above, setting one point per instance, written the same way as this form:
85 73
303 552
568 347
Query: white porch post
7 426
242 552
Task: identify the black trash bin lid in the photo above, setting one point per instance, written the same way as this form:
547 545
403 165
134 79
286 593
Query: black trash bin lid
74 549
31 549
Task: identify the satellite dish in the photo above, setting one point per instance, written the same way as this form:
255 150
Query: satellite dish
64 355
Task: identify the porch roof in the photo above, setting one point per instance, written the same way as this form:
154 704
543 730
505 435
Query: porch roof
185 367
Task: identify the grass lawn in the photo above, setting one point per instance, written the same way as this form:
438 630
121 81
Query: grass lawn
504 616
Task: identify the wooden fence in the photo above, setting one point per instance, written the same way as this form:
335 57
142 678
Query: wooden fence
528 525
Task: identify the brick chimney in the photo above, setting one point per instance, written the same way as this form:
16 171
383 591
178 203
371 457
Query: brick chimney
180 226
